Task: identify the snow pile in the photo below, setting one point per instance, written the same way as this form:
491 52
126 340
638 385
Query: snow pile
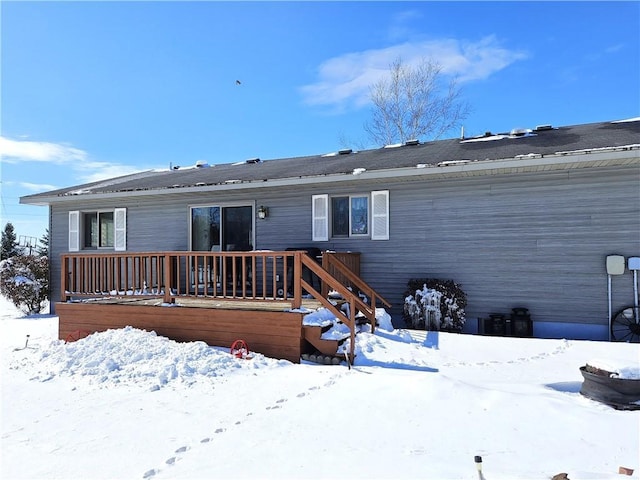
132 356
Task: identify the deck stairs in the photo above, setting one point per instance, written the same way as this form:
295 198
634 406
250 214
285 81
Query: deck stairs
324 343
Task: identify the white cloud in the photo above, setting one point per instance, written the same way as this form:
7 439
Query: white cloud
345 80
97 171
15 151
37 187
85 169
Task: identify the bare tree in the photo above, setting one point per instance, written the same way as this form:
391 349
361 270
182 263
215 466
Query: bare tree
414 102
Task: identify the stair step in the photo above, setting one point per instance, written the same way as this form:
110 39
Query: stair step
313 335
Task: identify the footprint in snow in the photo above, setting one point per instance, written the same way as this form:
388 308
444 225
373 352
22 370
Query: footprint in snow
171 461
182 449
150 473
418 451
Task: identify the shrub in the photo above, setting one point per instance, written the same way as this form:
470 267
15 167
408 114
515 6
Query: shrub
24 279
434 304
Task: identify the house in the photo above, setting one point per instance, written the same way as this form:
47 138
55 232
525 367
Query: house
521 219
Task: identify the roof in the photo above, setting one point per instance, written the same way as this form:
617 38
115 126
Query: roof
538 147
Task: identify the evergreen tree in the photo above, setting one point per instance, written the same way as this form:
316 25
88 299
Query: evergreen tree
43 248
9 242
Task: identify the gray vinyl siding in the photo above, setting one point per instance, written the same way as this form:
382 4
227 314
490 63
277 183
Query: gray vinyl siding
536 240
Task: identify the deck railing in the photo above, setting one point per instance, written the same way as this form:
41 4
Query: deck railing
254 275
258 275
335 267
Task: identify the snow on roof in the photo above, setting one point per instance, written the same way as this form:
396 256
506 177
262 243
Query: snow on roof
633 119
523 145
488 137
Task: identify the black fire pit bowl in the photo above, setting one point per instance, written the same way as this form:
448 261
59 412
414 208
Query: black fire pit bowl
619 393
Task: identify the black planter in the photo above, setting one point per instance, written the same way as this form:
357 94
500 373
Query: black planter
521 324
495 324
619 393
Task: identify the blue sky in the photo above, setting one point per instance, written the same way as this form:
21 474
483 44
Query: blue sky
91 90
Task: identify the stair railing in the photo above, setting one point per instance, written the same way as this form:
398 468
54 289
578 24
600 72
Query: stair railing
331 262
352 299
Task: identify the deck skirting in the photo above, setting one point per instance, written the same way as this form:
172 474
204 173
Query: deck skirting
276 334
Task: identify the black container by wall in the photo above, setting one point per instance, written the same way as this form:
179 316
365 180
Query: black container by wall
495 324
521 324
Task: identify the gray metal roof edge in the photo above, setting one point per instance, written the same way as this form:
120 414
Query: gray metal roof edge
567 160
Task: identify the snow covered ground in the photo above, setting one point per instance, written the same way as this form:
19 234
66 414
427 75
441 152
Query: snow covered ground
127 404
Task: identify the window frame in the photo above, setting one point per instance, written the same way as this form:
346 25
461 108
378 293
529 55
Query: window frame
86 226
79 222
350 197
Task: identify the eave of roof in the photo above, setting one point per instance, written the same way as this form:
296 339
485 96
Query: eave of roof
564 160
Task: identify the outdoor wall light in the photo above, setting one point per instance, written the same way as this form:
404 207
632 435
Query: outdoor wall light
263 212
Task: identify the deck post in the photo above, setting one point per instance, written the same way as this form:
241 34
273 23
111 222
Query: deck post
352 319
297 275
65 277
167 278
373 307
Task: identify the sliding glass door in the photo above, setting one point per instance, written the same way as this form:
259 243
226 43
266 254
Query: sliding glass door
220 228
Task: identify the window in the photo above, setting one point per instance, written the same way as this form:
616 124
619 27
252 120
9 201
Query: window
351 216
101 229
340 216
98 230
359 216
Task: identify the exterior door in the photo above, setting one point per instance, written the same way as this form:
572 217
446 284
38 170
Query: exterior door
219 228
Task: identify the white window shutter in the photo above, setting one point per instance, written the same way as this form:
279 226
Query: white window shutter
320 217
74 231
380 215
120 224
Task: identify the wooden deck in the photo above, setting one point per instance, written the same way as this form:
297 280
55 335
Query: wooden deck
160 297
265 327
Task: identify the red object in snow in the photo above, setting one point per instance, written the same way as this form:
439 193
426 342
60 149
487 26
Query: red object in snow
240 349
76 335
